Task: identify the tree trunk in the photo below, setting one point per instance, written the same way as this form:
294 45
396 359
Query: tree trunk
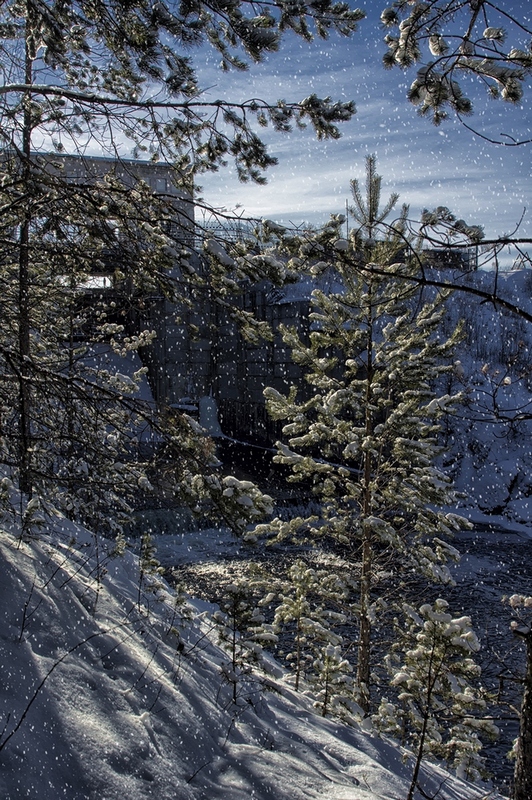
431 682
523 764
364 645
299 634
24 410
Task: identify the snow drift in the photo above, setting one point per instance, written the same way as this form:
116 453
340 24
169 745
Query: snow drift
113 688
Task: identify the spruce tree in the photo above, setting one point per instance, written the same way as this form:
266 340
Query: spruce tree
364 433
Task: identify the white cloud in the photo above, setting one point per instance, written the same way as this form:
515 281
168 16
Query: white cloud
483 183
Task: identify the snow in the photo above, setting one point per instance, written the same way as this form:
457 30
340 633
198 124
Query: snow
110 692
273 227
487 442
216 250
208 416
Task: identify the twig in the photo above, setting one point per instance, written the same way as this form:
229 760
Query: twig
189 780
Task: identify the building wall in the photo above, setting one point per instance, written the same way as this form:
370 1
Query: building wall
243 370
219 363
160 178
178 365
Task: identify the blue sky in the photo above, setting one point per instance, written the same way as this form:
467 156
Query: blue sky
483 183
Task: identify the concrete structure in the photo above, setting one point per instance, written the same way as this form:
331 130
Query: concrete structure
243 370
220 364
198 352
461 260
175 356
160 178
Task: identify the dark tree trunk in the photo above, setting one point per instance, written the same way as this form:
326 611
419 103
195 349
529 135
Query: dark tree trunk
24 410
523 764
364 646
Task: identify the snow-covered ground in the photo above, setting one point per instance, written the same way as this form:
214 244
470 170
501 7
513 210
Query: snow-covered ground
108 693
489 438
496 562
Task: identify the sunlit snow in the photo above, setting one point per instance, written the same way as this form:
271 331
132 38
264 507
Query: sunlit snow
108 693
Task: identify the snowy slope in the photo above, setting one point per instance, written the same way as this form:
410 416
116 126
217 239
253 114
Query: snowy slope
107 694
489 438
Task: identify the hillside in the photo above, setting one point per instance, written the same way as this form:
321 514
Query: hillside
112 691
488 438
108 693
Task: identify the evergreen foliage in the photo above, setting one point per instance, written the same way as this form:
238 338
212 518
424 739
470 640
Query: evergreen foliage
439 706
238 502
83 72
242 632
455 40
364 435
332 678
521 626
308 614
150 568
111 78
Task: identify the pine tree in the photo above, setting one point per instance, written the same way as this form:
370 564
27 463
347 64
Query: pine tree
332 677
485 41
440 703
365 435
80 78
521 626
308 614
242 632
150 569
